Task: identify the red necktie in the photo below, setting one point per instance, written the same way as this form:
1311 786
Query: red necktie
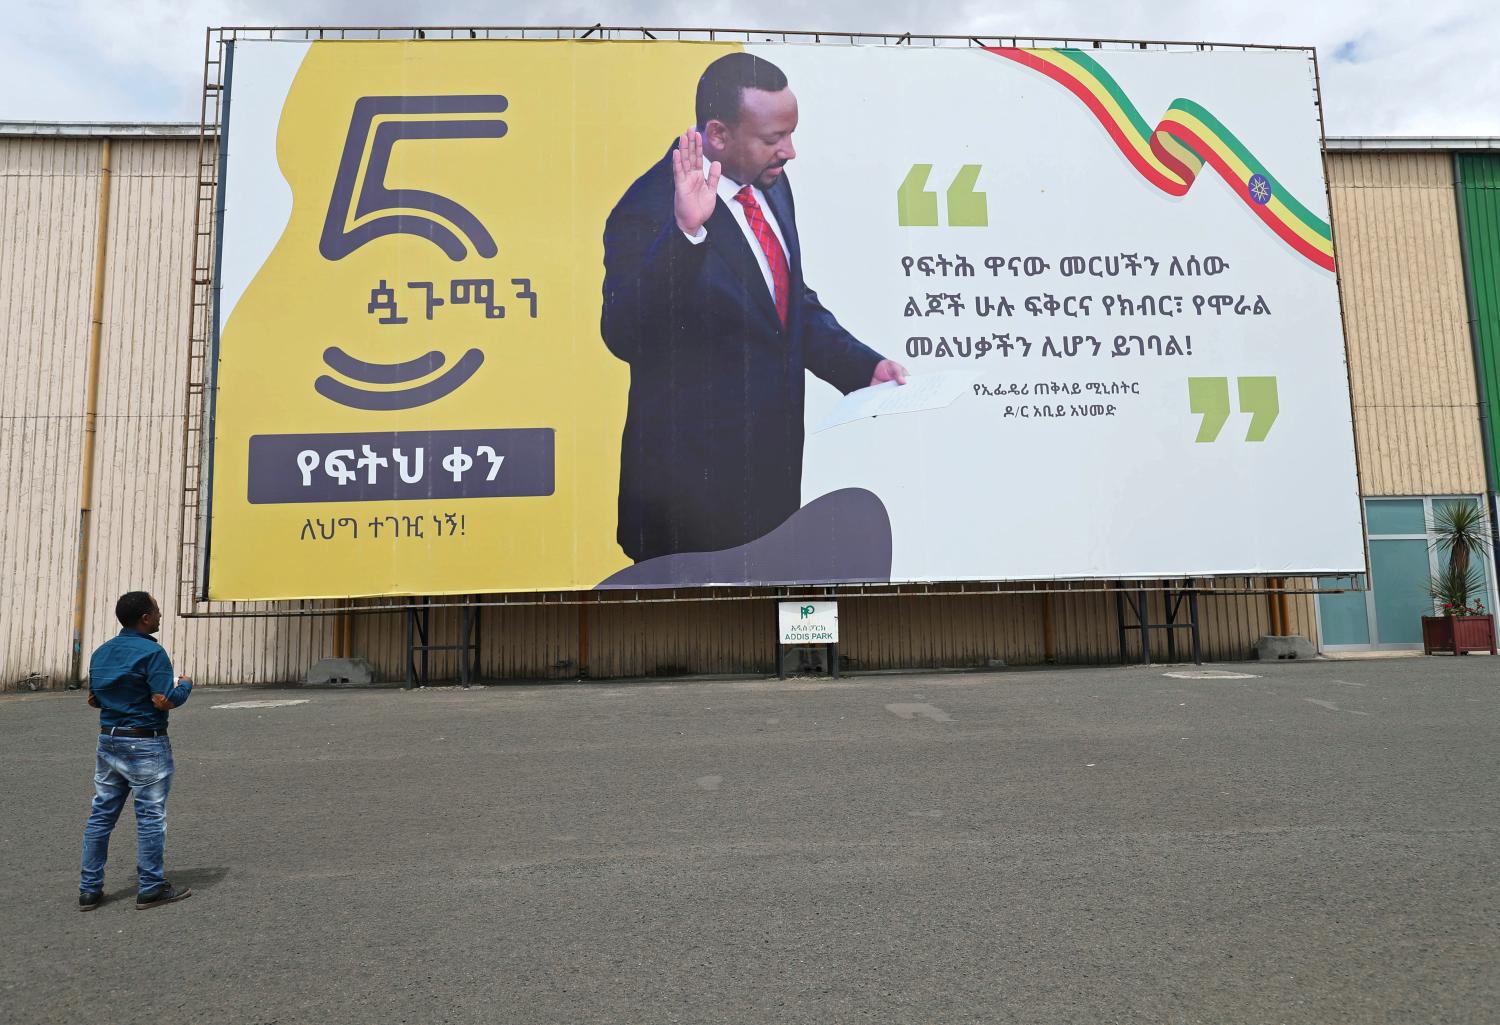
769 245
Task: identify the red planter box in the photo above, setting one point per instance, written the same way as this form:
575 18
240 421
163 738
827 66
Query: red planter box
1458 635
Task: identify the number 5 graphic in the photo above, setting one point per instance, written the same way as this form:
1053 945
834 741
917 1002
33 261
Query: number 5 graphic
376 210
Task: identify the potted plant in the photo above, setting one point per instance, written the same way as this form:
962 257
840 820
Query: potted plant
1465 625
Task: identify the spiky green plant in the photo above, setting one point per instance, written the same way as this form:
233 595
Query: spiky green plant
1461 534
1451 591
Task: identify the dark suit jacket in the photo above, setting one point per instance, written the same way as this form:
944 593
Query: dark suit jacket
711 457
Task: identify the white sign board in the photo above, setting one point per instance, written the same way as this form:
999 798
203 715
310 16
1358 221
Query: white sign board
808 622
454 357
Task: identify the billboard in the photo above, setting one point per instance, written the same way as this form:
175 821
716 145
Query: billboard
496 315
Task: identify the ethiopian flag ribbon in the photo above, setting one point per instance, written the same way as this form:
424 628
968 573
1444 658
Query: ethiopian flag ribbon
1171 155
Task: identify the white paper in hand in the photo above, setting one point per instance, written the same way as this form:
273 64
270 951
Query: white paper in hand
920 392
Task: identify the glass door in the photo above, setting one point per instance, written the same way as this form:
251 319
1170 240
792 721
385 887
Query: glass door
1403 559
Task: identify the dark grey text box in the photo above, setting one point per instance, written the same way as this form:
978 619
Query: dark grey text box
384 466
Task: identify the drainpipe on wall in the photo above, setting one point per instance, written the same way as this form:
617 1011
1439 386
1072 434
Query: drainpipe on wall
91 408
1486 439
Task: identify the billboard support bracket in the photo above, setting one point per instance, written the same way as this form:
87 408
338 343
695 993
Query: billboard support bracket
419 642
1140 618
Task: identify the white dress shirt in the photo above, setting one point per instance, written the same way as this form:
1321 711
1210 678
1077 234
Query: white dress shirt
727 188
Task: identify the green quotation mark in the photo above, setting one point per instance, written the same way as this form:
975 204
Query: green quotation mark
917 207
1209 398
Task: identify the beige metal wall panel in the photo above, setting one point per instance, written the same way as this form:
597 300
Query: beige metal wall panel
1410 360
48 218
1086 626
38 501
139 456
905 632
48 221
136 474
670 638
948 630
536 641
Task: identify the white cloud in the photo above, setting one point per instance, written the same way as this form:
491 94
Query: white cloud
1387 68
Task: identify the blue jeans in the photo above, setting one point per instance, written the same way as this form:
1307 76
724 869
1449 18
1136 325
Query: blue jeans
123 764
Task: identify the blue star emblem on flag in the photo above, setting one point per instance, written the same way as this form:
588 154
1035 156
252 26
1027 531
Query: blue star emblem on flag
1260 189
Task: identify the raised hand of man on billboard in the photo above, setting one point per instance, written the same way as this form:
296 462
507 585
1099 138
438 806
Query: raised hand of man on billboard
694 200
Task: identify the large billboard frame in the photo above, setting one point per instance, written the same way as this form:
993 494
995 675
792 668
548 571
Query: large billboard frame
203 321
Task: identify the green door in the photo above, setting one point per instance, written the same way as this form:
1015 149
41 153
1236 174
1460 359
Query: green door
1345 617
1398 579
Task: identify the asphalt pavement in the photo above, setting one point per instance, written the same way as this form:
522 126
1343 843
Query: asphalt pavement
1311 842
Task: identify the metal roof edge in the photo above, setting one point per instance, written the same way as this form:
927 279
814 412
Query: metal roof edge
1429 143
102 129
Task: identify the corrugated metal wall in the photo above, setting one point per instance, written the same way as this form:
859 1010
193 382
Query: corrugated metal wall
141 402
1410 360
48 213
1417 436
1480 174
891 632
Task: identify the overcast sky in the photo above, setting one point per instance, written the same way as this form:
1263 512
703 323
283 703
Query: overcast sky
1388 68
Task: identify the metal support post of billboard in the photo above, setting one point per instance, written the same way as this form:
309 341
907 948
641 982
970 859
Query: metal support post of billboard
417 622
419 642
1049 632
1139 603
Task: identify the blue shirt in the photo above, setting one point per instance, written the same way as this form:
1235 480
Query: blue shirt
123 674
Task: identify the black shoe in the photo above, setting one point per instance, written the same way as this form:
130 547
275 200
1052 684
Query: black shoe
88 901
164 894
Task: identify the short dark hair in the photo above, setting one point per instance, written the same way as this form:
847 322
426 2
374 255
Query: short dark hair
132 606
722 82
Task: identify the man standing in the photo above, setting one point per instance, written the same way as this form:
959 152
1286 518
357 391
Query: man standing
130 682
704 297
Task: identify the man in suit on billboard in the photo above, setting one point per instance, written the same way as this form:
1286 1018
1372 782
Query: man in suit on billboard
704 297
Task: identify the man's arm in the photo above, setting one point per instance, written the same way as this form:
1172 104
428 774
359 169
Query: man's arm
651 263
167 692
832 352
174 698
649 268
159 671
